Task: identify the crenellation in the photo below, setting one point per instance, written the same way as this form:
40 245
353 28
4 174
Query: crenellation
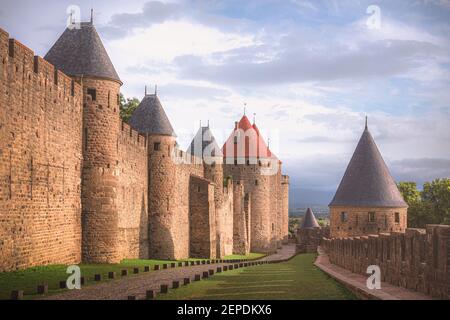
132 137
416 259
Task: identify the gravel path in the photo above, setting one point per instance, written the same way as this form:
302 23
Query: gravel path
137 285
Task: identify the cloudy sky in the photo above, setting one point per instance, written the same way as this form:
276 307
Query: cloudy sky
310 70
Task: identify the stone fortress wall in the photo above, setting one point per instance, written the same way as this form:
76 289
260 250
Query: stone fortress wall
78 184
43 143
417 259
284 208
40 160
132 194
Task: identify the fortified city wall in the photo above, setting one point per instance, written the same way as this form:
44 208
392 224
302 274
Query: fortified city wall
40 160
418 259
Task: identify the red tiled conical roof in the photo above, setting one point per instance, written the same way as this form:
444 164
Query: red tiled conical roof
245 141
244 123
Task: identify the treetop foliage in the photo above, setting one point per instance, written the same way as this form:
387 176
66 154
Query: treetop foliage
429 206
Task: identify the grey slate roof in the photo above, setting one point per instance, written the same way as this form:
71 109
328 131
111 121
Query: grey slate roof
81 52
150 117
367 181
204 139
309 220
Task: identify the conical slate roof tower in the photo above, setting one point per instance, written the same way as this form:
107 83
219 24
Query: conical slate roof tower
150 117
367 200
204 144
367 181
309 220
80 52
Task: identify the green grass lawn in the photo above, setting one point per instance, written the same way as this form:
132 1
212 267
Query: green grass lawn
28 279
250 256
296 279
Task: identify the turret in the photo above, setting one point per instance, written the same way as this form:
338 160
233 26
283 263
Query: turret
150 119
79 52
309 234
205 147
367 200
247 158
285 208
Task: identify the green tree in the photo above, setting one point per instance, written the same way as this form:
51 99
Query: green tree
409 192
127 107
322 222
436 196
430 206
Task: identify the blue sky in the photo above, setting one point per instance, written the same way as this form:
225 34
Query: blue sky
310 70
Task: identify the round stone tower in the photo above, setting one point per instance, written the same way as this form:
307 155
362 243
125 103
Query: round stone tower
205 147
150 119
79 52
367 200
247 159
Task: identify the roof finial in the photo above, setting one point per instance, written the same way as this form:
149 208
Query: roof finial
92 16
245 106
156 89
71 17
145 90
366 124
268 142
254 118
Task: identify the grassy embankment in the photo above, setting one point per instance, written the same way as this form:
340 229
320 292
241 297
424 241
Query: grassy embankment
28 279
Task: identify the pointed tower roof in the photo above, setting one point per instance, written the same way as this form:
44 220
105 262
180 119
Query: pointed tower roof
253 142
309 220
367 181
150 117
204 139
263 148
80 52
244 123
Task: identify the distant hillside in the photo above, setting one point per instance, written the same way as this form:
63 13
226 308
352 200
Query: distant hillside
304 198
319 211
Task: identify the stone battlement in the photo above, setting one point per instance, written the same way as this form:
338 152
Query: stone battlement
418 259
132 137
23 65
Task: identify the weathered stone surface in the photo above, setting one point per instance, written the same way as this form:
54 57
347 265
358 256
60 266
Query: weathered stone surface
357 222
40 161
416 259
